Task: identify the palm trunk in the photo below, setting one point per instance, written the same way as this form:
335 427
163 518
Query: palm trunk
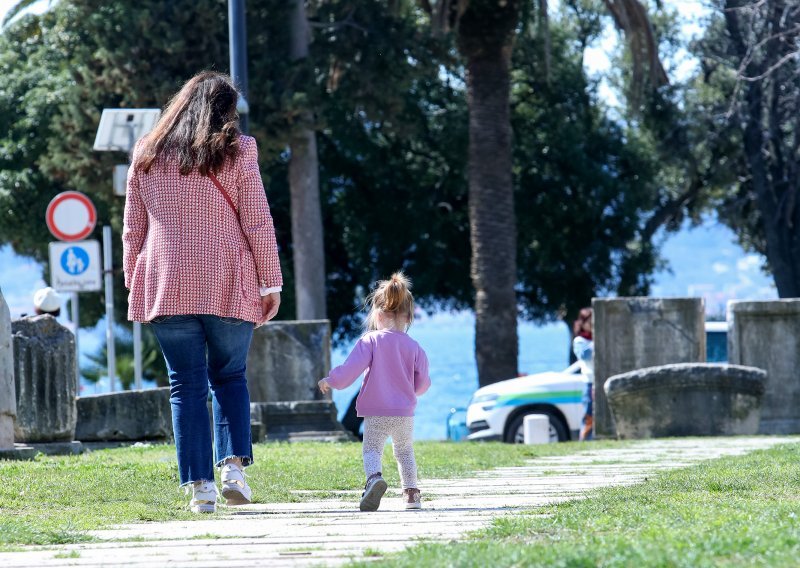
491 213
307 243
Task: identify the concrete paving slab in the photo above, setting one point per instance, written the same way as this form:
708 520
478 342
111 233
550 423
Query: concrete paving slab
333 532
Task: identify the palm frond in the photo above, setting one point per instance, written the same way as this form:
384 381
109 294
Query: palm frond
631 17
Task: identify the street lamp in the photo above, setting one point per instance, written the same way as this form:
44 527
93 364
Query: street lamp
119 129
237 41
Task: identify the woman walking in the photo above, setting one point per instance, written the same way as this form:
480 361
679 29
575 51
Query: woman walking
201 264
583 347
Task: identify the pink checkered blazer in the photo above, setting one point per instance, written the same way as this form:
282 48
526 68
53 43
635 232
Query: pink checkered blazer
183 249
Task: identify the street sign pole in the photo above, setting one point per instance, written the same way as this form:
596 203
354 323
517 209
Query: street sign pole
137 354
74 262
76 323
119 129
109 286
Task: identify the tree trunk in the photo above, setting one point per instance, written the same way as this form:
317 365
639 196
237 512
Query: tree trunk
486 44
307 242
764 146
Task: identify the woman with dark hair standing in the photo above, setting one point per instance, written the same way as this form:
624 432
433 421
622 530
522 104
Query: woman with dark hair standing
583 347
201 264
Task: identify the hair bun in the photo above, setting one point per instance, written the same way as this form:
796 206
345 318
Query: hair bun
401 279
396 292
391 296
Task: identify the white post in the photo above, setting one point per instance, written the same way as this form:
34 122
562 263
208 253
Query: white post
108 268
137 354
75 322
536 429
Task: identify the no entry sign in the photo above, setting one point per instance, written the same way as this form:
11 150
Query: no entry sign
71 216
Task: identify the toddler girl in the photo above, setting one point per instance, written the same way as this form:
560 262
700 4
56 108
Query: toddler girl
397 373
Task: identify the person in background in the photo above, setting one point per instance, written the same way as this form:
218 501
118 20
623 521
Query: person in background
397 373
47 301
201 263
583 347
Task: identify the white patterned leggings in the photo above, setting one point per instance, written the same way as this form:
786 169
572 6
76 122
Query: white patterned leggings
401 429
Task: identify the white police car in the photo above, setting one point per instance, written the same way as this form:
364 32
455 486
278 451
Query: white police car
497 411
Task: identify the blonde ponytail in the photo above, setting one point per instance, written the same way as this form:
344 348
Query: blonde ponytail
391 296
396 292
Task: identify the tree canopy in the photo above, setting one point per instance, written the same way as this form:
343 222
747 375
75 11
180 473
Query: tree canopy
391 114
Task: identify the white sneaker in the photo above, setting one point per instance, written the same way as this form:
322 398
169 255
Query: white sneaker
234 487
204 497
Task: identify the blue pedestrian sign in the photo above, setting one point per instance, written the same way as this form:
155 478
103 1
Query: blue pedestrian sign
75 266
75 260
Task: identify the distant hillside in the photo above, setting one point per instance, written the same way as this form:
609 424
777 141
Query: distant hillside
707 261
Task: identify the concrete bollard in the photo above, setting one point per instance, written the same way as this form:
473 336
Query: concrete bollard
536 429
766 334
286 360
45 379
8 398
633 333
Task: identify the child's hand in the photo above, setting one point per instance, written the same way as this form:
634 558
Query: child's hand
324 387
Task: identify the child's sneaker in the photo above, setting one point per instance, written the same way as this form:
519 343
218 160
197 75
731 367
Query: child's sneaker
373 491
204 497
234 487
412 498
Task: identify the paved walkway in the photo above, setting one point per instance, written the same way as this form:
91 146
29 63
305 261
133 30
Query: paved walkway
333 531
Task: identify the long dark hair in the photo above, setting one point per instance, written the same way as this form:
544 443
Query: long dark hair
199 127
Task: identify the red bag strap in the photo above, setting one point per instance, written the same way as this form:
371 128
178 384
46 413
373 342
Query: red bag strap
223 192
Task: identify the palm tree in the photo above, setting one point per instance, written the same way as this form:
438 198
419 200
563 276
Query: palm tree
485 32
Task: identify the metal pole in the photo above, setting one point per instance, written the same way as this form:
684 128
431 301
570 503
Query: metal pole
76 322
137 354
237 41
109 285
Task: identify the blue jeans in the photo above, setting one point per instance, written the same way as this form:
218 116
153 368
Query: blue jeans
203 350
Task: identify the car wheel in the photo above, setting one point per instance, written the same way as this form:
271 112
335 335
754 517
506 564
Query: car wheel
516 433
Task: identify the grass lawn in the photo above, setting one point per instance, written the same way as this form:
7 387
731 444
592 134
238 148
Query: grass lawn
735 511
54 500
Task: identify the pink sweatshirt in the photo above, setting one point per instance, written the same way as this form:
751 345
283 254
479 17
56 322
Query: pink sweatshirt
397 373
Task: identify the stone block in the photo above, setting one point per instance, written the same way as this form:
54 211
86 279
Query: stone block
8 397
287 359
125 416
73 448
766 334
18 452
6 431
632 333
688 399
45 378
299 420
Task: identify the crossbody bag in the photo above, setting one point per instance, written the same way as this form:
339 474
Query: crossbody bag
227 197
